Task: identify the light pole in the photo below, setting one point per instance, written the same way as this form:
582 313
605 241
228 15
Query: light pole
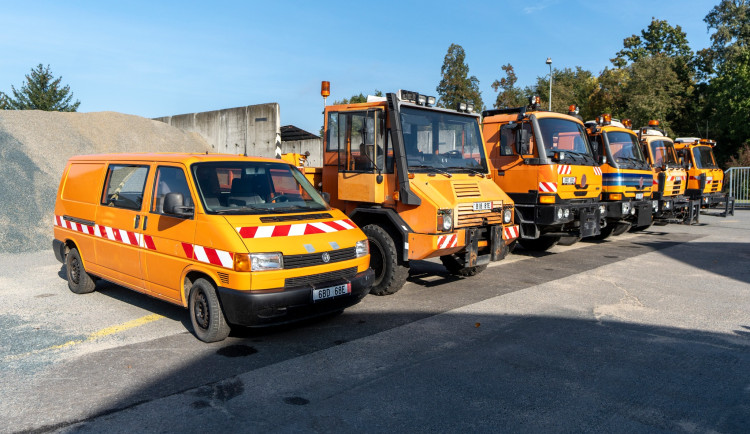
549 62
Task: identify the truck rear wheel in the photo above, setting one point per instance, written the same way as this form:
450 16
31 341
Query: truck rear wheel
545 242
455 266
390 274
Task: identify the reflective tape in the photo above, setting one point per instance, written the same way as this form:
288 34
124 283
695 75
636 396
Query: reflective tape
548 187
510 232
295 229
447 241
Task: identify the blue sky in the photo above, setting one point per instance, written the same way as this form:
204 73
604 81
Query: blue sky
152 58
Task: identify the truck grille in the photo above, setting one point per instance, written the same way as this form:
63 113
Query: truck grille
311 259
466 189
314 279
467 217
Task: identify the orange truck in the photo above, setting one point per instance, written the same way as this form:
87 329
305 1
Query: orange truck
416 179
669 177
236 240
626 175
544 162
705 178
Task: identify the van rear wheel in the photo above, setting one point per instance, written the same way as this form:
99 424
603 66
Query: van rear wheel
79 280
390 274
206 315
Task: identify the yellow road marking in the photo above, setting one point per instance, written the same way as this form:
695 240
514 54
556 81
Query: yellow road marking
96 335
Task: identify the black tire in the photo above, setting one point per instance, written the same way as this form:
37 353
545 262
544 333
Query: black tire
206 315
641 228
545 242
455 266
621 229
390 274
79 280
604 232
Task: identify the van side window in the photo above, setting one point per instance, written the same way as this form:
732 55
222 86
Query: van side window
169 180
124 186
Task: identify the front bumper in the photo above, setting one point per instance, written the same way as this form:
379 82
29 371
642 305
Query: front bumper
284 305
635 212
581 219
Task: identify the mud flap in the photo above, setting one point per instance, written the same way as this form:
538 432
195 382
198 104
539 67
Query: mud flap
472 247
729 205
589 223
694 212
644 215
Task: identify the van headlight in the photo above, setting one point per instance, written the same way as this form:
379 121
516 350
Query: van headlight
361 248
266 261
507 216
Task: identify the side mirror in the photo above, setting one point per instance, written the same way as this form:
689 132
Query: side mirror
522 141
326 197
174 205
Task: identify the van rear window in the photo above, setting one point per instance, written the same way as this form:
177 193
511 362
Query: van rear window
78 184
124 186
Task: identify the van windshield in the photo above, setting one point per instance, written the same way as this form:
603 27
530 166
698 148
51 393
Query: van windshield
254 187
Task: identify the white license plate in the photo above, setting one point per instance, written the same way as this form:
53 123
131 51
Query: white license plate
331 291
569 180
638 196
482 206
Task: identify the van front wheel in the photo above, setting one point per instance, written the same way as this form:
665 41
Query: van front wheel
79 280
206 315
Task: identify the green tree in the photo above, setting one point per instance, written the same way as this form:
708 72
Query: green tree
355 99
569 86
658 38
42 91
455 85
730 20
508 94
654 91
608 95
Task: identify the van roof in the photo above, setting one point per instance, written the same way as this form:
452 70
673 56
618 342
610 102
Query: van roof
172 157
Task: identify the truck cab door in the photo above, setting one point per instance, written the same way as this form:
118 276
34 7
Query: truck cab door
361 155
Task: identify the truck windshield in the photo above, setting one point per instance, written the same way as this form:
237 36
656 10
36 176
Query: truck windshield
254 187
704 157
437 141
562 135
624 147
663 151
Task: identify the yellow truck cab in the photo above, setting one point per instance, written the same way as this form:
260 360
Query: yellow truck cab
416 179
669 177
236 240
705 178
626 175
544 162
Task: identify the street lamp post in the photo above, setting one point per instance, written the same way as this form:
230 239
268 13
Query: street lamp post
549 62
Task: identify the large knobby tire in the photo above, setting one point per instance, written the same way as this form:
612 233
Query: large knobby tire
604 232
455 266
79 280
545 242
641 228
390 274
206 315
621 229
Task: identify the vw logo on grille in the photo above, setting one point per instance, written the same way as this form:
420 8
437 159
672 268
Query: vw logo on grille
326 257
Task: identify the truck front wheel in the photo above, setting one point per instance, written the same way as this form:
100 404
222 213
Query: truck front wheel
455 266
390 274
545 242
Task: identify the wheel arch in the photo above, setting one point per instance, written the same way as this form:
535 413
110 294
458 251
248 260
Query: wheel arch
389 220
189 276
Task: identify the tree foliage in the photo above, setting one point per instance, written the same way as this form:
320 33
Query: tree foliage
659 38
508 94
730 20
455 85
569 86
356 99
42 91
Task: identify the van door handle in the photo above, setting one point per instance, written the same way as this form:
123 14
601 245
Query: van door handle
137 220
145 220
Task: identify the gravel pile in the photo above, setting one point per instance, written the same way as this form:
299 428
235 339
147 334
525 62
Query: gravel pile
34 147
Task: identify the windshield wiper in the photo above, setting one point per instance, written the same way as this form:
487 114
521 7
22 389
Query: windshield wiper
432 168
473 171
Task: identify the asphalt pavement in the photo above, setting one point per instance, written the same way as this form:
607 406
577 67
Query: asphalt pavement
641 332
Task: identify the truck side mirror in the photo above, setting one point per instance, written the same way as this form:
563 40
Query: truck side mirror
174 205
326 197
522 141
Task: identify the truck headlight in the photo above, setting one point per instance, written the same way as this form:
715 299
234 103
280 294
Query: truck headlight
566 214
361 248
560 213
507 216
266 261
445 220
602 209
626 207
655 204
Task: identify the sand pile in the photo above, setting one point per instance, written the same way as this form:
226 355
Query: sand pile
34 147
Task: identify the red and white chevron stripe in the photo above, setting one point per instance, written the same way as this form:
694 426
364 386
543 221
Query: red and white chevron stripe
677 178
548 187
564 169
597 170
447 241
112 234
510 232
295 229
208 255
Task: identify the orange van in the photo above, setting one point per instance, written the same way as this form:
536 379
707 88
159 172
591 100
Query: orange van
237 240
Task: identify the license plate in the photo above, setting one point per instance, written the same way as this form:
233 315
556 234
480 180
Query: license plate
331 291
569 180
482 206
638 196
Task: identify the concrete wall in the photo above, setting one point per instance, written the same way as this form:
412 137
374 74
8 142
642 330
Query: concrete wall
254 128
314 146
